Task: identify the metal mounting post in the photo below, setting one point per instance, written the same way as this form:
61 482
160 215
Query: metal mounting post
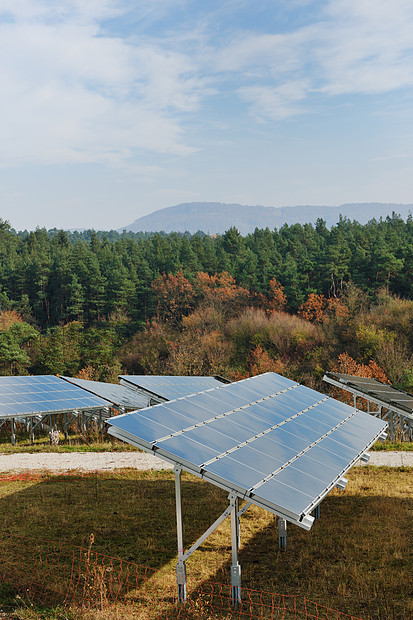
235 567
181 566
13 432
282 533
391 426
232 511
316 512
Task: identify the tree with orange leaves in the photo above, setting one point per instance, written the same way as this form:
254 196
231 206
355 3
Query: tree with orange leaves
348 366
313 309
319 309
221 291
175 297
277 297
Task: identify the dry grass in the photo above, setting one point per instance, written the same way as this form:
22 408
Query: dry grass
74 444
358 558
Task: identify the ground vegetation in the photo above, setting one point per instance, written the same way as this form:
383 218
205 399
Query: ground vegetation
350 560
299 300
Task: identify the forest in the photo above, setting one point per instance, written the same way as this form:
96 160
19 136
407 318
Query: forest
299 301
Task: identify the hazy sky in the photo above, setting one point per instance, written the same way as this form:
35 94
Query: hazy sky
111 109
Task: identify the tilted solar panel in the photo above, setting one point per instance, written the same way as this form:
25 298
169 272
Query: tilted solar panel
42 394
170 388
117 394
266 438
371 389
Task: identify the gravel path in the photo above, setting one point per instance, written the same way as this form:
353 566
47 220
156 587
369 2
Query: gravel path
108 461
82 461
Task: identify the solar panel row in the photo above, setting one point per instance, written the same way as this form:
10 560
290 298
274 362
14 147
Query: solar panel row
42 394
117 394
383 392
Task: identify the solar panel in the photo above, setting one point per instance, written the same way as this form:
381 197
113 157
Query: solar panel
169 388
375 391
42 394
268 439
119 395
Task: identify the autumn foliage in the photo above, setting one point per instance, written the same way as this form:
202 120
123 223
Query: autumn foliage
348 366
277 297
319 309
174 295
9 318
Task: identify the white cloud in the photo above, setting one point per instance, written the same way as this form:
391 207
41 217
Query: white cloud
370 48
71 94
276 103
355 47
74 92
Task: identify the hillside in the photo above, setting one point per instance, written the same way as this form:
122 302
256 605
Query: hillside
217 217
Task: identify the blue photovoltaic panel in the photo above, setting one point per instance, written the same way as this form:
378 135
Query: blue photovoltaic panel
267 438
27 396
119 395
170 388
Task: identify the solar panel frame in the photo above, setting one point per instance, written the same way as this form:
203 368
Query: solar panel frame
226 442
166 387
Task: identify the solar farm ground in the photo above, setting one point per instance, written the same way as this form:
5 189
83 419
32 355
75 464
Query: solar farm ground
358 558
94 443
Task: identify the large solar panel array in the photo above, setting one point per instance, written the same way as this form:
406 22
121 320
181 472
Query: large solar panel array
168 387
118 395
381 393
43 394
268 439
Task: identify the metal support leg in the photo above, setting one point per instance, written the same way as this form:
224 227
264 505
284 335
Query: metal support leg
31 431
235 567
65 426
181 566
355 401
282 533
13 432
316 512
391 426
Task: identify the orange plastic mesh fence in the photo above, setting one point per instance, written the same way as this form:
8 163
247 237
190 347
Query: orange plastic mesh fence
52 572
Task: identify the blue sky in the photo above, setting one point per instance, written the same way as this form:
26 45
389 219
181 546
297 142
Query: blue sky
111 109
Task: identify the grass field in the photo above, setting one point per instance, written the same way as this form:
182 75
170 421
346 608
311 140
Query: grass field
92 443
358 558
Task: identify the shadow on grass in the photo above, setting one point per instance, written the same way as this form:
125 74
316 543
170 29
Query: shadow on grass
358 558
131 516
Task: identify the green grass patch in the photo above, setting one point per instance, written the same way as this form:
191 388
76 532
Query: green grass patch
76 444
394 446
358 558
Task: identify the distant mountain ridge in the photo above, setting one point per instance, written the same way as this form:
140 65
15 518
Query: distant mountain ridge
217 217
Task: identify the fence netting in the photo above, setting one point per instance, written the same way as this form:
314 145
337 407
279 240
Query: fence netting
56 573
